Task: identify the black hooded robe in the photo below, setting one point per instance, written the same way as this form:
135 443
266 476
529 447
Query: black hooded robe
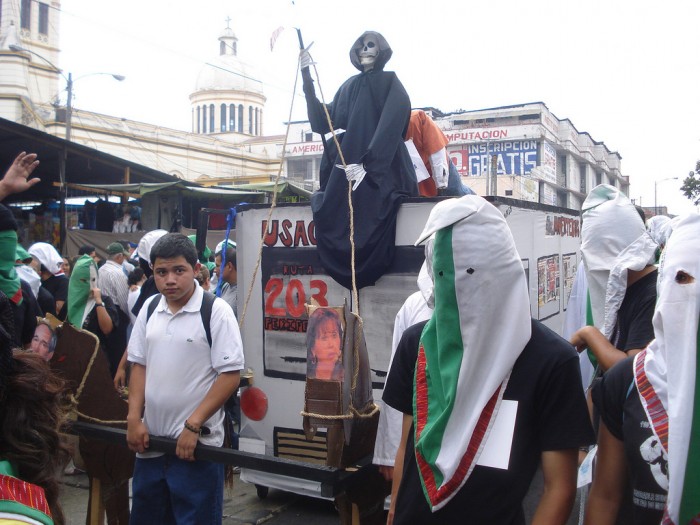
374 109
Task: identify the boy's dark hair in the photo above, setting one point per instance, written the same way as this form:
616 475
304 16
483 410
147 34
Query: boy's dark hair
173 245
86 249
135 276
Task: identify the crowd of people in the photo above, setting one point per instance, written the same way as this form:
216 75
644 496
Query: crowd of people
475 401
458 370
40 290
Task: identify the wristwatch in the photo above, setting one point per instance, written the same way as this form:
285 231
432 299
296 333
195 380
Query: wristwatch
99 304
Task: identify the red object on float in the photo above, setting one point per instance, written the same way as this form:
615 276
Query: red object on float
254 403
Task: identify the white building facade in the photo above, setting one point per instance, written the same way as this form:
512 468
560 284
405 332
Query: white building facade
521 151
225 145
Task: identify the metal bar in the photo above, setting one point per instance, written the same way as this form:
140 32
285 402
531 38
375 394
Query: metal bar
332 480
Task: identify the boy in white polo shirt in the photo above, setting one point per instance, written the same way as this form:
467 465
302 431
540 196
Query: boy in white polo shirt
183 382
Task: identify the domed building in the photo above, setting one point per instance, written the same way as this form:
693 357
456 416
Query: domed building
228 98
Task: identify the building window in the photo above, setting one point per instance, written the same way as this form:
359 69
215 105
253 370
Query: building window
26 14
250 120
582 172
222 48
257 119
308 136
240 118
211 118
598 178
562 178
204 119
43 18
199 115
300 170
232 117
562 198
223 117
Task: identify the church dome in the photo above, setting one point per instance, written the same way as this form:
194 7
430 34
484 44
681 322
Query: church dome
227 71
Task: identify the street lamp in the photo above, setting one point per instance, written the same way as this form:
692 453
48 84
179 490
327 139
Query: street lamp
656 182
63 190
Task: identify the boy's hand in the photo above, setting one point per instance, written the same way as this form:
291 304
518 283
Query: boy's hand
137 436
186 444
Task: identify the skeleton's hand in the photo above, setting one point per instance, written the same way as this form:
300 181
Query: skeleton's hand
353 172
305 60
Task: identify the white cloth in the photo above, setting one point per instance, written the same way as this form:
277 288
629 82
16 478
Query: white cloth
575 318
657 228
637 256
610 224
143 250
421 170
441 169
48 256
29 275
220 246
670 360
484 256
113 284
180 365
414 310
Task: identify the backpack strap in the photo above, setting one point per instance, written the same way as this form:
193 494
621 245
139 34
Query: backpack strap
204 311
208 299
152 306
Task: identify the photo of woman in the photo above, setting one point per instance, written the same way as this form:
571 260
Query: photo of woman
324 340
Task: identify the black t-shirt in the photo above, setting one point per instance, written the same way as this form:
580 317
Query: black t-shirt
634 329
47 304
551 415
25 315
617 399
57 285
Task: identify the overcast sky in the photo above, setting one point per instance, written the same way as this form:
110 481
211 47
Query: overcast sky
626 71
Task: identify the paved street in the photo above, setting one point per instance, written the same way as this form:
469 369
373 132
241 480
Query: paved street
241 507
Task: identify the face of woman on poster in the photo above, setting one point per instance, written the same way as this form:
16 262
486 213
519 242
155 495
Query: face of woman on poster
325 349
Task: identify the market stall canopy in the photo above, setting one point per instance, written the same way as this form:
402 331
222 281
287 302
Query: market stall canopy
84 165
180 187
285 189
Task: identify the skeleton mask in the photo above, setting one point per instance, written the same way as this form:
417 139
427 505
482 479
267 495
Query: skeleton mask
368 53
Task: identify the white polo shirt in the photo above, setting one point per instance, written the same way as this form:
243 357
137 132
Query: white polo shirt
180 365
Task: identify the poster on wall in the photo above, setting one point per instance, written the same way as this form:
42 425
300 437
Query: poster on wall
548 286
516 157
290 279
569 265
549 162
293 277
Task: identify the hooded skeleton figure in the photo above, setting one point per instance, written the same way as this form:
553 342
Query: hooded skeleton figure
466 358
370 114
666 373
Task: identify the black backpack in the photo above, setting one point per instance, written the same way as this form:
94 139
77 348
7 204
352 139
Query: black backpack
204 310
